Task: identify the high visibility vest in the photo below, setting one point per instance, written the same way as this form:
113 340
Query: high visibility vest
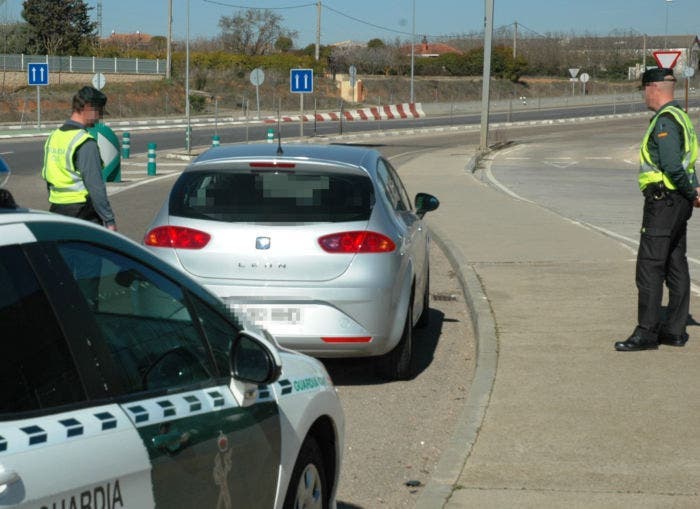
649 172
65 183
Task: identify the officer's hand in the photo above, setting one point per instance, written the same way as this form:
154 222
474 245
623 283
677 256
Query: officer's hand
113 226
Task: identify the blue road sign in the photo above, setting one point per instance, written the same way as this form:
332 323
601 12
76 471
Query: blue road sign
301 81
38 74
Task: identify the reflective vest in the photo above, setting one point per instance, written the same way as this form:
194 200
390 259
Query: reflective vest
65 183
649 172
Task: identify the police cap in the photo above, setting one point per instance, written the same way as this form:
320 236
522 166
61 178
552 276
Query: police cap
657 74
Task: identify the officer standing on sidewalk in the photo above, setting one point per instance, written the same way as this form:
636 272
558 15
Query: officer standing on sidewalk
670 187
73 166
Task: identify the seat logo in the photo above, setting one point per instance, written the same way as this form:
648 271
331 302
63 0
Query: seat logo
262 243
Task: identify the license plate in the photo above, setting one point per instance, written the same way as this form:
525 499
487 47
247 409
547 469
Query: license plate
269 315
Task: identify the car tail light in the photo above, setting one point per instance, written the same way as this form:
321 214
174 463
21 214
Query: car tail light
177 237
350 339
356 242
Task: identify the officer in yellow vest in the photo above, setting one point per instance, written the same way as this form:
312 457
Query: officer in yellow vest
670 187
72 164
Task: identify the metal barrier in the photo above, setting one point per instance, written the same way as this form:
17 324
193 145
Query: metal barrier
85 64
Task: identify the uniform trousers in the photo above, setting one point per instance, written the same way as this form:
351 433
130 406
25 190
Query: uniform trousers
662 258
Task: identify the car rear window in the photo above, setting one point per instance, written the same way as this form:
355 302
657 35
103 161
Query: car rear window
272 196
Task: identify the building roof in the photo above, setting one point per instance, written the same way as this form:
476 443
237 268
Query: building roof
430 49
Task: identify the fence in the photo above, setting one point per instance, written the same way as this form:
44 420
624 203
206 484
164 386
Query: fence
85 64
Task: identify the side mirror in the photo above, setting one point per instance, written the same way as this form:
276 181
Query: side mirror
252 362
424 203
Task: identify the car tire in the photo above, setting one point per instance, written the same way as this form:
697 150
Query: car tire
308 488
398 364
424 318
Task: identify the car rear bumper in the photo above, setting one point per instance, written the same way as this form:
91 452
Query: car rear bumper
323 322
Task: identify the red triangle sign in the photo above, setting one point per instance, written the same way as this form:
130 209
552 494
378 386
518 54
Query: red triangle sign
666 59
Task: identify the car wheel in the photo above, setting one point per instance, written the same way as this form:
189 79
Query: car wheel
398 364
307 487
424 318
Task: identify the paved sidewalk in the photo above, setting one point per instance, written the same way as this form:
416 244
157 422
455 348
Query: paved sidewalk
555 416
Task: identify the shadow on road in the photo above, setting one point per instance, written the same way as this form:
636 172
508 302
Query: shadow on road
361 371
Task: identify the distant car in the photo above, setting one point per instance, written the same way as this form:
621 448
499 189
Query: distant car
320 245
126 384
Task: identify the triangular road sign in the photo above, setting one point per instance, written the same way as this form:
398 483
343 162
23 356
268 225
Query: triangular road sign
666 59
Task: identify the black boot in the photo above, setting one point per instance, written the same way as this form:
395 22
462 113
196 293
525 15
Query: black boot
635 342
667 338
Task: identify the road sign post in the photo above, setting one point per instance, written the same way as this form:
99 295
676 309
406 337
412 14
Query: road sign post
38 74
301 81
257 77
573 72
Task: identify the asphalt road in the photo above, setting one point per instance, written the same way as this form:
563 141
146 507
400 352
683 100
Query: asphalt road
587 173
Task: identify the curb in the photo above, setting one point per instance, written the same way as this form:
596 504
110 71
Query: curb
457 450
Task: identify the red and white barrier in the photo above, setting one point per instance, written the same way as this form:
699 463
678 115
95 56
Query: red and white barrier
388 112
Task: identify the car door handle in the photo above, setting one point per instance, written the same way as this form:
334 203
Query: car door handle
9 477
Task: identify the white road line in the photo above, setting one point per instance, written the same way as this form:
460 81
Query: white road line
604 158
116 190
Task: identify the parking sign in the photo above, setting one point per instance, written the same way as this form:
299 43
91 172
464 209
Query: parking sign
301 81
38 74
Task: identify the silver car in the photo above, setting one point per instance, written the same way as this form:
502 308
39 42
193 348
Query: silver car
320 245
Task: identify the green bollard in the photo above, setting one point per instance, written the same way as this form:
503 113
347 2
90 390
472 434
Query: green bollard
151 168
126 145
215 141
270 135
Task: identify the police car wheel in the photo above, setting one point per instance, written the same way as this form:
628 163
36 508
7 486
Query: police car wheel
307 487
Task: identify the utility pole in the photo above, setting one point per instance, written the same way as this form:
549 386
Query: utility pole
168 51
485 91
318 30
413 46
515 40
99 20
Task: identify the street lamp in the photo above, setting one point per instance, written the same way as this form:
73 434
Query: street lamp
668 5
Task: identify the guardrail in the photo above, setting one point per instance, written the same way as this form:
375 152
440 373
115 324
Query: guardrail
115 65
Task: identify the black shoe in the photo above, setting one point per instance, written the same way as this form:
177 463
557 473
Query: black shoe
667 338
636 342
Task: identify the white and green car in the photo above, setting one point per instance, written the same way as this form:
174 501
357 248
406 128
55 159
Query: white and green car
126 384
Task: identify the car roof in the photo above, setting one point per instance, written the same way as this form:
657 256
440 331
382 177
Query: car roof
38 225
353 155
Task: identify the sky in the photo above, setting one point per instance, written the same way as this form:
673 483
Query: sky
362 20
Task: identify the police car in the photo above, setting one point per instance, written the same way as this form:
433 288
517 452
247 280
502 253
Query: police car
126 384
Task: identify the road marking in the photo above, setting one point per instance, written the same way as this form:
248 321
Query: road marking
518 158
561 165
116 190
603 158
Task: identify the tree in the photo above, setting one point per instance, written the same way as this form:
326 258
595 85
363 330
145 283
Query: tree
284 44
253 32
58 27
375 43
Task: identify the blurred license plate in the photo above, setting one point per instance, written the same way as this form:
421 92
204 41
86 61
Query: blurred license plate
268 315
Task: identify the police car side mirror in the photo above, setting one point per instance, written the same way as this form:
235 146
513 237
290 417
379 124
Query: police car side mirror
253 362
424 203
